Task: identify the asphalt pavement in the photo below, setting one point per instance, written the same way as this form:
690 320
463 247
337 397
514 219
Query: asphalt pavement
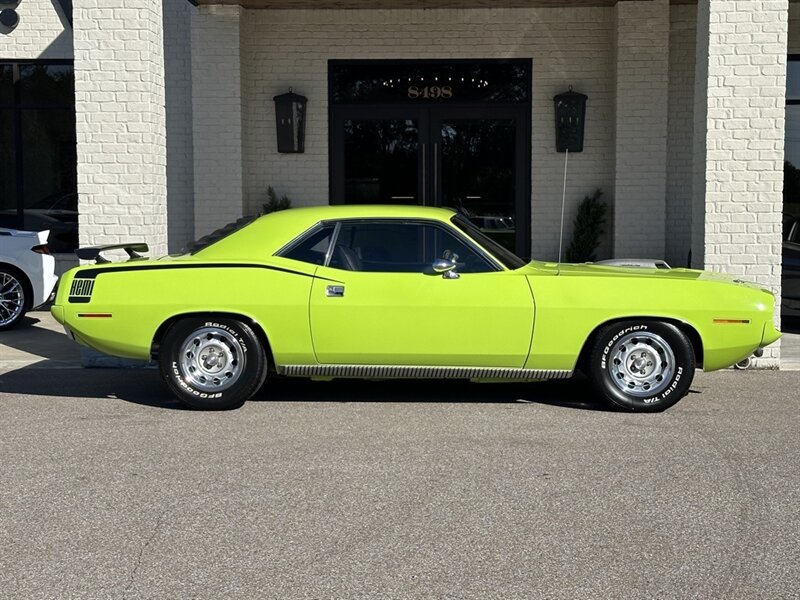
395 490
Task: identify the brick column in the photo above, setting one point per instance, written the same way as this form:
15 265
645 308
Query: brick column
121 135
742 47
642 90
217 114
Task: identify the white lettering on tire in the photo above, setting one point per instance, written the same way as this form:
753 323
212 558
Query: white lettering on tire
607 349
230 330
177 373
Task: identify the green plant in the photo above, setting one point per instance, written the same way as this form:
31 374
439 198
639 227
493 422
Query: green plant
275 203
587 229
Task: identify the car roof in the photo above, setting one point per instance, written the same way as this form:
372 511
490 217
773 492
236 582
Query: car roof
349 211
274 230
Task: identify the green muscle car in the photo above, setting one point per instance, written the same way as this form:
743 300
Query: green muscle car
398 291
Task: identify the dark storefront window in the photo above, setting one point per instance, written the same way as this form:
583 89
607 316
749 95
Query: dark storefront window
38 161
791 187
452 133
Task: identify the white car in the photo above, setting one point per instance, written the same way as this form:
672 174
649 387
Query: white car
27 274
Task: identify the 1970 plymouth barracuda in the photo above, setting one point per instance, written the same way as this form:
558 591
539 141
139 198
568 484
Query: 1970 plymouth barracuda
399 291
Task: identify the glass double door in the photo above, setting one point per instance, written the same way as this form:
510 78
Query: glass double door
470 158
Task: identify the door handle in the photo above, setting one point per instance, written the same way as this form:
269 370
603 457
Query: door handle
436 200
424 176
334 291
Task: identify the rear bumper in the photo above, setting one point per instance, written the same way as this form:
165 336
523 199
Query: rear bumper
45 282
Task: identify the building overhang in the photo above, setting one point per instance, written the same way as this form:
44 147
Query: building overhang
389 4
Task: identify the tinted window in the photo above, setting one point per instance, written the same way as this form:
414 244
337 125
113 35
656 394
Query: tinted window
402 248
430 82
312 248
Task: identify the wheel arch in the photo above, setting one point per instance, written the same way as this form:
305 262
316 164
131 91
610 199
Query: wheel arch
26 282
250 321
686 328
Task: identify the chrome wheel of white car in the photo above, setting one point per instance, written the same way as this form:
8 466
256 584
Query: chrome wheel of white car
12 299
212 363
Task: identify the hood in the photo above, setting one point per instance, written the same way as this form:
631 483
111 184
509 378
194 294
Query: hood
601 270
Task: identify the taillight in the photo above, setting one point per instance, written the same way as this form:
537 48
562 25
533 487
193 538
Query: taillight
41 249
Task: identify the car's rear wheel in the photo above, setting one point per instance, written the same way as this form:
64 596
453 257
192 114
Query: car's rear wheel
13 298
644 366
212 364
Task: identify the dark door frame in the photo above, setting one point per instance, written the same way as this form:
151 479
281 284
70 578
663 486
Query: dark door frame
427 114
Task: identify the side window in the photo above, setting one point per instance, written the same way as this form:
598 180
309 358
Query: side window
385 247
313 247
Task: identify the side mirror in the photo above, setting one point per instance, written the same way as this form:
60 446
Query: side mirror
446 268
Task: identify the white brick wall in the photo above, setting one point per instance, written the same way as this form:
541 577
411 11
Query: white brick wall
180 156
683 26
642 55
291 48
217 110
744 139
119 90
43 32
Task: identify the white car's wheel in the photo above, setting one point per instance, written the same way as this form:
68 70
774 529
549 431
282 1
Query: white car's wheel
13 298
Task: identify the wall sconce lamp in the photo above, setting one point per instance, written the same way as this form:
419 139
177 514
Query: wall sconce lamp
290 116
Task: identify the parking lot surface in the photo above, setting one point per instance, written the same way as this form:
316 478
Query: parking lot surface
396 490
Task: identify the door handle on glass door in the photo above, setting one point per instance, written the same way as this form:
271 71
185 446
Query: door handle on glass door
424 177
436 201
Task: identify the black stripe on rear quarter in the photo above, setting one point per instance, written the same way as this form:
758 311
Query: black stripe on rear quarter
94 273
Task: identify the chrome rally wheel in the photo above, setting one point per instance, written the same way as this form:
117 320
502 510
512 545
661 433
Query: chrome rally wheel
212 359
641 364
12 299
644 365
212 363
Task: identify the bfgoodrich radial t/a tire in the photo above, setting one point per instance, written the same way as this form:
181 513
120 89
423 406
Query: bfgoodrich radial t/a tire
644 366
212 364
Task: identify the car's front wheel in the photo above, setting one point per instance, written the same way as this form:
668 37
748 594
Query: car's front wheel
644 366
212 364
13 298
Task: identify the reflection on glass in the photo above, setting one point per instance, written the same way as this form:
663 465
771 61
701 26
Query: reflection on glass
51 85
6 85
431 82
50 197
791 173
380 162
793 80
478 161
8 190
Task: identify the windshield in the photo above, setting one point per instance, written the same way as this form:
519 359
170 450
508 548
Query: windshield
503 255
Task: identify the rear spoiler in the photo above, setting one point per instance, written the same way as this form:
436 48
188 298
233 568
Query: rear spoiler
95 253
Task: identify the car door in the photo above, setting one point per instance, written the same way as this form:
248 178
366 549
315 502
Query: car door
379 301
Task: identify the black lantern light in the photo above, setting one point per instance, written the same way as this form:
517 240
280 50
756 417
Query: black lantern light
9 17
290 117
570 118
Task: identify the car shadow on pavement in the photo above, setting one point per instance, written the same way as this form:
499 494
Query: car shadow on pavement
144 387
34 341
